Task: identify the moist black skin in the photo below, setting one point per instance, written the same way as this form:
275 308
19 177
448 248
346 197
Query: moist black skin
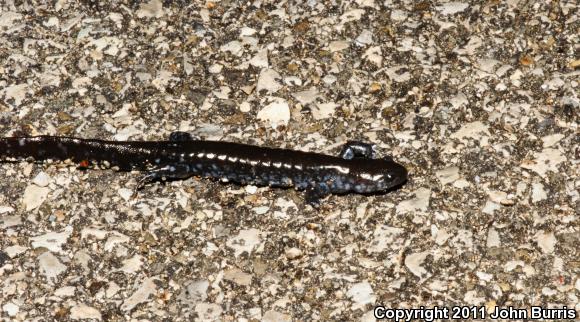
355 170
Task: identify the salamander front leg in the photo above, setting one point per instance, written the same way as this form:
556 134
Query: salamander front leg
356 149
315 193
169 172
179 136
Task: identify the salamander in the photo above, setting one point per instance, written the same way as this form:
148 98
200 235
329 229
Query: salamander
355 169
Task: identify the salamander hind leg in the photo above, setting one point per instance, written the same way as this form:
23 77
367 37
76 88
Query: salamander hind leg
179 136
356 149
169 172
315 193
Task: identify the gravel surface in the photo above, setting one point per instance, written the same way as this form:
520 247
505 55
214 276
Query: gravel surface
479 100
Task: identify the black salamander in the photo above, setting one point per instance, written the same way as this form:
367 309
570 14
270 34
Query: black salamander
355 170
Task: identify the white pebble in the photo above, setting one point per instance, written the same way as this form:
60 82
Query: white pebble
50 266
269 81
42 179
452 8
365 38
538 192
34 196
276 113
82 312
11 309
361 293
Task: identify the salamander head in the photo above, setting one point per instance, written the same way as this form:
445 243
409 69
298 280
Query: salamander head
378 175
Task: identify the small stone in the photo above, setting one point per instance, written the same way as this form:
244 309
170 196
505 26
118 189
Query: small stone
488 65
115 240
293 253
251 189
261 210
215 68
234 47
245 107
125 193
538 192
13 251
461 184
10 221
65 291
223 92
293 67
142 294
260 60
324 110
366 3
98 234
113 289
419 203
352 15
132 265
448 175
307 96
473 130
208 311
362 293
14 94
42 179
550 140
375 88
365 38
398 73
547 160
163 79
441 235
497 196
414 262
472 298
51 22
50 266
398 15
273 316
52 241
452 8
151 9
11 309
493 239
237 276
195 291
247 31
4 210
329 79
34 196
246 241
526 60
293 81
459 100
375 56
8 18
338 46
490 207
546 241
269 81
82 312
276 113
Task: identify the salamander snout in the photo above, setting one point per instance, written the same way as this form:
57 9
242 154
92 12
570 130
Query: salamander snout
395 175
379 175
